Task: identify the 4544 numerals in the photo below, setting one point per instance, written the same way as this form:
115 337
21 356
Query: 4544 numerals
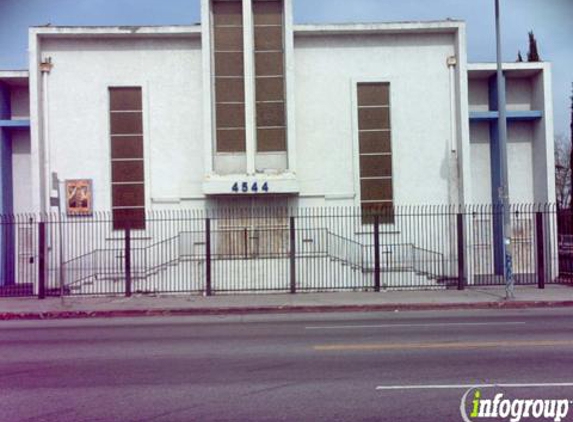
246 187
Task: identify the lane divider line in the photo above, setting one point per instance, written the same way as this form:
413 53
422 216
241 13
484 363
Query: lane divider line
465 386
447 345
446 324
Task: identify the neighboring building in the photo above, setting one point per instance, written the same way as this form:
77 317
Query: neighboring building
248 109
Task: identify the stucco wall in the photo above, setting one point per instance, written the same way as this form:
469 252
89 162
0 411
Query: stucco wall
480 162
21 150
478 94
518 93
22 171
169 72
520 162
530 145
20 102
543 138
327 69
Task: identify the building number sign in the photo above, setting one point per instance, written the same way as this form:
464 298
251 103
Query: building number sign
246 187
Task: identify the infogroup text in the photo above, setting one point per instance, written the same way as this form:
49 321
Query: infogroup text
515 410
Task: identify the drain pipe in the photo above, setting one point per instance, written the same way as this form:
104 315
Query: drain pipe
45 68
453 153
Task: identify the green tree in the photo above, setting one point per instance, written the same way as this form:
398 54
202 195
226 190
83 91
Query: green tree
562 171
519 57
571 143
533 53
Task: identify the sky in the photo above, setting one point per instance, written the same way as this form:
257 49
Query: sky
550 20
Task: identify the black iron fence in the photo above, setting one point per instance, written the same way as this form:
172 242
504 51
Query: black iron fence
285 250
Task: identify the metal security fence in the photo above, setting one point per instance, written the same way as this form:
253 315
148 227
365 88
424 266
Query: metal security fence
18 254
214 251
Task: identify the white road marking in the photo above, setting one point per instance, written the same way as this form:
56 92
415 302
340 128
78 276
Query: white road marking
446 324
465 386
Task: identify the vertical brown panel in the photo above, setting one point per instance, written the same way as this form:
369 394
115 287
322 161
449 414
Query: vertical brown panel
375 166
269 64
270 114
271 140
128 195
373 118
132 217
373 94
376 190
125 98
228 38
230 90
231 140
383 211
230 115
127 171
269 38
270 89
374 142
126 147
268 12
126 123
227 13
229 62
127 175
269 61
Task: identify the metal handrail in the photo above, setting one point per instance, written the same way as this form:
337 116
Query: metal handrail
338 247
436 265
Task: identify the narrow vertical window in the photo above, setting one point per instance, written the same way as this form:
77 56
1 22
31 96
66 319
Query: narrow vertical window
374 135
127 167
229 76
269 73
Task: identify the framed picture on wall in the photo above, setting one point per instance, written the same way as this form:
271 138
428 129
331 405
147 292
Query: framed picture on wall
79 197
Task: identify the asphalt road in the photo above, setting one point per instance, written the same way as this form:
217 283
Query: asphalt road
315 367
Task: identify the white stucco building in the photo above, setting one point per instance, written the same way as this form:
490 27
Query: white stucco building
249 109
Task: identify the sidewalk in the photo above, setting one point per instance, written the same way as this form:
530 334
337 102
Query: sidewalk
92 307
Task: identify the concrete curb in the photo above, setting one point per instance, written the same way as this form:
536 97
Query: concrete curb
281 309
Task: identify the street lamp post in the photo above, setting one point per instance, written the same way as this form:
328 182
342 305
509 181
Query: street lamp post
503 188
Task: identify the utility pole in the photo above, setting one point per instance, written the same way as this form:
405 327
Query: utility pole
503 189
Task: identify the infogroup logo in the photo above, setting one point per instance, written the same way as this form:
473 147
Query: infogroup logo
513 410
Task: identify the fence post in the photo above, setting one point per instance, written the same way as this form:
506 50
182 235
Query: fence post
42 260
292 257
207 257
540 250
461 251
127 261
376 253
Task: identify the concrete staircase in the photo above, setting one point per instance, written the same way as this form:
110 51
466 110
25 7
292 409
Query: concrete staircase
325 261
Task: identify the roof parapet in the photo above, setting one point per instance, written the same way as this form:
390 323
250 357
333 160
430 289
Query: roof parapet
114 31
445 26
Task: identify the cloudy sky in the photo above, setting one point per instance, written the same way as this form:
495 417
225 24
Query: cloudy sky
551 20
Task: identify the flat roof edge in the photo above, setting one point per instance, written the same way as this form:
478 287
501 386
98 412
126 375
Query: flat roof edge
167 30
448 26
508 66
13 74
